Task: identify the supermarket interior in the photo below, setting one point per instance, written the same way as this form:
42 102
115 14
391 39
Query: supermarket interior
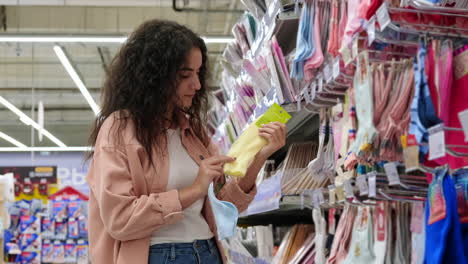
234 131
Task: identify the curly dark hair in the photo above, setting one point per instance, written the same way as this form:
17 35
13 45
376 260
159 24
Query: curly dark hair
141 80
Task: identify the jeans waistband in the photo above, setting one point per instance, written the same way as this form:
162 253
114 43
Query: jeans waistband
208 243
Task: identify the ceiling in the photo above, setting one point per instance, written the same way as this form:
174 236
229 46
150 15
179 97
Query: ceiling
32 72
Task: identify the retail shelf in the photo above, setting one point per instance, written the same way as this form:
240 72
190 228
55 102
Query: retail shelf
290 212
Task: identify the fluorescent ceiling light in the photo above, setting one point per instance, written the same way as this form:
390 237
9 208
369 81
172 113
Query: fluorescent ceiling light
45 149
27 120
76 79
12 140
88 39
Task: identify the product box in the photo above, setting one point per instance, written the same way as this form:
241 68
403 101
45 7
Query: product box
30 243
58 252
82 252
30 224
70 251
30 258
47 227
47 251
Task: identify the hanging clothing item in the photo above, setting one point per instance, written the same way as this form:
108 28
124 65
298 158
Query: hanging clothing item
443 230
341 243
320 236
418 233
353 22
333 41
382 213
457 104
316 59
361 250
305 41
365 108
422 109
398 119
461 188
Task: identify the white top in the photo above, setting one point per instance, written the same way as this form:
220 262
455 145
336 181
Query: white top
182 173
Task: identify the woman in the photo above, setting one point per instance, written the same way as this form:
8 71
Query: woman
153 162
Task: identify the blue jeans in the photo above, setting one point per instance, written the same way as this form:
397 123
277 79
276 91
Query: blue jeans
198 252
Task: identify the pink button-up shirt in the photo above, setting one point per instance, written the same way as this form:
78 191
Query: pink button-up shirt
128 197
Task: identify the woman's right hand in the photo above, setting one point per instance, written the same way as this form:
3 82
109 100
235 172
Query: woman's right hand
210 169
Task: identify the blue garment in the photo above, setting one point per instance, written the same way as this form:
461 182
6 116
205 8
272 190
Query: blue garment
305 41
225 214
198 252
443 237
461 187
422 110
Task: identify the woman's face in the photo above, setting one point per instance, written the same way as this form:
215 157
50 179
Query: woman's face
188 82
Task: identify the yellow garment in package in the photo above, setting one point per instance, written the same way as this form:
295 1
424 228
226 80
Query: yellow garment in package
250 143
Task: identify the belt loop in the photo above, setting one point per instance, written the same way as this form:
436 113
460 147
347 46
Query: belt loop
173 255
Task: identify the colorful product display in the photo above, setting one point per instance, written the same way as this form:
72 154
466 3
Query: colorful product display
52 233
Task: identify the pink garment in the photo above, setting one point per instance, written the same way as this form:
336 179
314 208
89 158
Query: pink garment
343 22
333 41
128 197
338 242
445 79
458 103
399 118
354 22
316 59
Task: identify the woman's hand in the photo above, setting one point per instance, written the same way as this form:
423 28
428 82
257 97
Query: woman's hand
210 170
275 133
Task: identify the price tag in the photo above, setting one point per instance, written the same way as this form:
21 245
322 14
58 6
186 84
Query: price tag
392 173
320 197
362 185
340 193
355 48
346 55
336 68
383 17
370 32
372 178
315 200
410 152
436 142
331 194
463 116
320 83
348 189
327 73
306 94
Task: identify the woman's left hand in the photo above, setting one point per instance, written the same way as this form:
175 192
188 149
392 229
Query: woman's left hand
275 133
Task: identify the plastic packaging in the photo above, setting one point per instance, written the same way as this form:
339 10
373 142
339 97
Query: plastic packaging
59 209
30 258
73 229
60 229
250 143
30 243
74 208
47 251
30 224
83 226
70 251
82 256
47 227
58 252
